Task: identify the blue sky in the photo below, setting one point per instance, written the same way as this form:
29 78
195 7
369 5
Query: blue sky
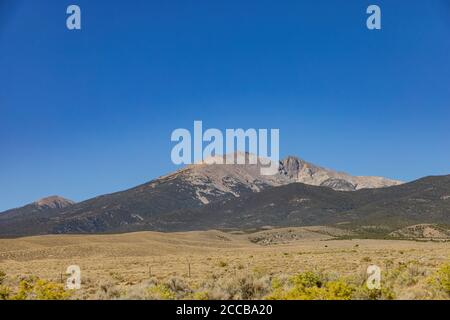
83 113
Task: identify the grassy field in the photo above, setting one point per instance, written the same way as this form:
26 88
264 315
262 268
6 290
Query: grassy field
291 263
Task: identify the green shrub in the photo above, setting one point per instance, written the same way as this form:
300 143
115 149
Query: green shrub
108 291
222 264
241 286
39 289
364 293
45 290
162 292
5 292
200 295
339 290
2 276
307 280
311 286
441 279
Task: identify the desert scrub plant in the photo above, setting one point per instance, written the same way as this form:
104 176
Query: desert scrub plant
46 290
364 293
160 292
2 276
311 286
38 289
108 291
5 292
401 281
222 264
171 289
259 272
116 276
200 295
338 290
307 279
440 280
251 286
179 287
245 286
139 291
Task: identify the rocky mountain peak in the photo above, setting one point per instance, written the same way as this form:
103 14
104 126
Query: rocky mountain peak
54 202
291 167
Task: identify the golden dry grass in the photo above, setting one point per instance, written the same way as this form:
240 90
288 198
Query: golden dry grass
129 259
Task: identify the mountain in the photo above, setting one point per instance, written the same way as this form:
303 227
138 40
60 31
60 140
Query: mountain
192 188
298 170
368 211
211 182
53 203
32 215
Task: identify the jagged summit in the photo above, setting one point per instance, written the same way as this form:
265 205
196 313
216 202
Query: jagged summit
298 170
212 172
208 179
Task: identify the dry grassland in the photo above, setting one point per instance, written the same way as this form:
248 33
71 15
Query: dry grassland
121 263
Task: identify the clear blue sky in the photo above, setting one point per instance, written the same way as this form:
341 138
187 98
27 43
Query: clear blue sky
91 112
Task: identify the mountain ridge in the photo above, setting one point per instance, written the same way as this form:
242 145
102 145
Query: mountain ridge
191 190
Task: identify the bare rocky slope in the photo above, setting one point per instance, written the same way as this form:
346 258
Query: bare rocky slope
298 170
211 181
